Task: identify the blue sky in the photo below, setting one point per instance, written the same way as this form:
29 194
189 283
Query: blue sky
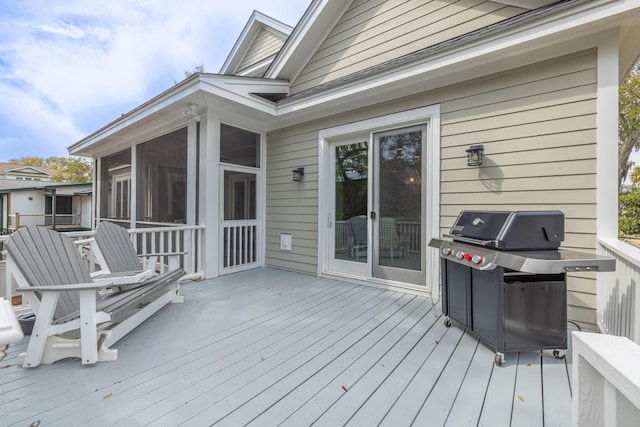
68 67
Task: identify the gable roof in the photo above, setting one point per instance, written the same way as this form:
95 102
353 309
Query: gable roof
312 29
257 45
16 169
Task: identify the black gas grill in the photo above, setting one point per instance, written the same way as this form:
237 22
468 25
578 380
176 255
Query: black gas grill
504 278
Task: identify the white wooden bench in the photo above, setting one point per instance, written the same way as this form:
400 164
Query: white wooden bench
76 317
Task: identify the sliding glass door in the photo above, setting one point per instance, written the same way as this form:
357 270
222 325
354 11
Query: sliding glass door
377 199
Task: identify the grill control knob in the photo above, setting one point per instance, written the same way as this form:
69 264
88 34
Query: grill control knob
468 256
477 259
459 254
446 251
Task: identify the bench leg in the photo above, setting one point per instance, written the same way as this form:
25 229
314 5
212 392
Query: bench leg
41 330
88 327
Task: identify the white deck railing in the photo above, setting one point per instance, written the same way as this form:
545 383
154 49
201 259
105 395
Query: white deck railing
618 299
178 238
606 380
183 238
18 220
606 372
411 229
239 242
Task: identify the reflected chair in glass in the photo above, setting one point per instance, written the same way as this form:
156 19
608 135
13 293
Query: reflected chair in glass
391 244
357 236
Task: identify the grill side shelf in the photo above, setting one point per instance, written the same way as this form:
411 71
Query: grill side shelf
536 262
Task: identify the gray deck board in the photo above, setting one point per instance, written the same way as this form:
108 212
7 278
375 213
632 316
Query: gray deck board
268 347
527 395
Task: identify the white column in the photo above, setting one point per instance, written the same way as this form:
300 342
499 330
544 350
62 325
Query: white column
192 162
133 191
209 193
96 192
607 136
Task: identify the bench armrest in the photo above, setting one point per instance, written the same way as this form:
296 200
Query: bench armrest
83 241
66 288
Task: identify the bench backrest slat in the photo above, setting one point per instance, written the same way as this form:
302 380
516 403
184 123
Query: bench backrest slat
116 246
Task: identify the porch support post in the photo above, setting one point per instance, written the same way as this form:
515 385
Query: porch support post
192 163
53 208
209 193
607 136
96 191
133 191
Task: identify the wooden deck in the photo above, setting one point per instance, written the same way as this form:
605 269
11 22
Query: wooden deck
267 347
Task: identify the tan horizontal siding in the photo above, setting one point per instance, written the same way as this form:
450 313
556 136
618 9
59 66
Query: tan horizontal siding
538 128
265 45
373 32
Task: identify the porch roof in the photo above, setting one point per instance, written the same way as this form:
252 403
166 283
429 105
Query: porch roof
266 347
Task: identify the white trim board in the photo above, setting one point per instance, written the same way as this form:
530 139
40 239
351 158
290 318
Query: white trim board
429 114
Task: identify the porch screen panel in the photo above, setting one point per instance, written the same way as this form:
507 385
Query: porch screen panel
162 179
239 146
115 185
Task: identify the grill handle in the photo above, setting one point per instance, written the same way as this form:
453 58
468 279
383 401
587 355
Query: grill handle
472 241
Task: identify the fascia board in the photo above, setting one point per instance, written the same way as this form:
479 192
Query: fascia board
247 36
256 69
242 90
238 90
569 20
160 102
314 26
527 4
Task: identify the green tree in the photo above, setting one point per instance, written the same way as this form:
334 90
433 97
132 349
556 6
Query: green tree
629 212
635 176
68 169
628 122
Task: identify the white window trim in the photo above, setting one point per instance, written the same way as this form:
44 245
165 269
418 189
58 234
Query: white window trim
429 114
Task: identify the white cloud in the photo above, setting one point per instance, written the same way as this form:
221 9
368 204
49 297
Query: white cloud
63 29
74 66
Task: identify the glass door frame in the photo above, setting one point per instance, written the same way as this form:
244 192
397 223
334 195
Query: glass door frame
335 265
430 116
378 270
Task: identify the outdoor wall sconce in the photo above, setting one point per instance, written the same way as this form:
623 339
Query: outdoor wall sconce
298 174
474 155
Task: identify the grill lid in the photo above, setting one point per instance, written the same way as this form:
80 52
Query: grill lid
516 230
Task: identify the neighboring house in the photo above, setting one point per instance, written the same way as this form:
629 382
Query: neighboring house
63 205
374 104
25 173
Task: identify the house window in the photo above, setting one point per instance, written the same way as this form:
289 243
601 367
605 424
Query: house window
162 178
115 186
239 146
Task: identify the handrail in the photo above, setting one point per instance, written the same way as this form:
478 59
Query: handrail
606 380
